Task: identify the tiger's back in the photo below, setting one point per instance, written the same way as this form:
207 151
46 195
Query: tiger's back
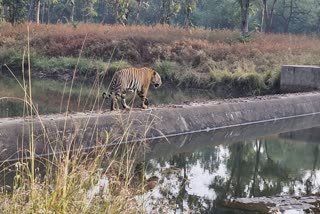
130 79
133 79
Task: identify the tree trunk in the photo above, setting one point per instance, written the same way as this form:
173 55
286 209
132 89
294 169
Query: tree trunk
244 4
138 12
187 20
256 168
38 11
48 12
43 10
72 10
12 12
126 13
30 11
270 17
2 12
264 16
162 19
287 19
104 13
116 7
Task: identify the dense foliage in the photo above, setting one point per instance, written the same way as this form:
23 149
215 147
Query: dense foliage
248 15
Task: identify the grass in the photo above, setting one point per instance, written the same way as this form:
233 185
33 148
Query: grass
68 184
191 58
52 65
245 82
99 180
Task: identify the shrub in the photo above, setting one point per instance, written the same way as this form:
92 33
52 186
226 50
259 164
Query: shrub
166 69
14 58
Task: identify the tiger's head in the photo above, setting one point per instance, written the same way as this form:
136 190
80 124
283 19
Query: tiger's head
156 80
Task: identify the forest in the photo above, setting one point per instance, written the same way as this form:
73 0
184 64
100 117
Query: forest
58 56
228 46
277 16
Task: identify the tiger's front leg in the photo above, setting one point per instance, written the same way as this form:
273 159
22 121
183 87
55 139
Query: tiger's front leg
123 101
144 100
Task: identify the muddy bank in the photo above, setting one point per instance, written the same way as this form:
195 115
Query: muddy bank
53 132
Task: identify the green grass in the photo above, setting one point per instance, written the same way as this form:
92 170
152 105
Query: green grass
243 78
85 66
48 65
245 81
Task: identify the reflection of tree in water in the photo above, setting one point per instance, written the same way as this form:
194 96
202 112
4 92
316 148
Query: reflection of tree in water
180 175
263 167
249 170
310 183
255 173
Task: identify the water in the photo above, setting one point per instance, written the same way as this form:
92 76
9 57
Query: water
51 96
199 177
198 172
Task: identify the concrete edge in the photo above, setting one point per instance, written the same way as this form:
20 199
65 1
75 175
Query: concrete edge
54 131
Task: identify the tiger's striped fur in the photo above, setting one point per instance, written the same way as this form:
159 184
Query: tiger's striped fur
133 79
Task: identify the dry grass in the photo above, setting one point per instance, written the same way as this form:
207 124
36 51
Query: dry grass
99 180
196 53
61 39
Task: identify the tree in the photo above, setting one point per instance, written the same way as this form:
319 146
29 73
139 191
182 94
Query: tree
244 13
88 10
138 11
169 9
267 16
14 10
38 11
297 16
72 6
216 14
189 7
121 11
1 12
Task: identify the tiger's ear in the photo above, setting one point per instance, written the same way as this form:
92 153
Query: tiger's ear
154 73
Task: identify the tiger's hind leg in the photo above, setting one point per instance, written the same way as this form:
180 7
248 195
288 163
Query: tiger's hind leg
123 101
114 102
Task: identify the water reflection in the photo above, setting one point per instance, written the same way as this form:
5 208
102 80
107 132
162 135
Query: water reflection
200 180
52 96
197 172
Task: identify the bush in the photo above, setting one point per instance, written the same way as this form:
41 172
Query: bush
14 58
69 63
166 69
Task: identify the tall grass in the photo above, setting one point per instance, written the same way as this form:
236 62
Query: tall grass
246 82
198 57
99 180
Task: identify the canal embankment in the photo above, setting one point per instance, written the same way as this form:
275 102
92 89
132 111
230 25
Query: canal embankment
51 133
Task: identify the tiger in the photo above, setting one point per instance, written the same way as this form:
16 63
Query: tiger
135 80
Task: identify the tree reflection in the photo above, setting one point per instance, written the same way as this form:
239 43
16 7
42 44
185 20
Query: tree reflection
261 167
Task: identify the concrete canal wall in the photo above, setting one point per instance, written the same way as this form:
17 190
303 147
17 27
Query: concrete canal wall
298 78
53 133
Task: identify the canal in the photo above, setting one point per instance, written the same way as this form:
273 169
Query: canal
198 172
